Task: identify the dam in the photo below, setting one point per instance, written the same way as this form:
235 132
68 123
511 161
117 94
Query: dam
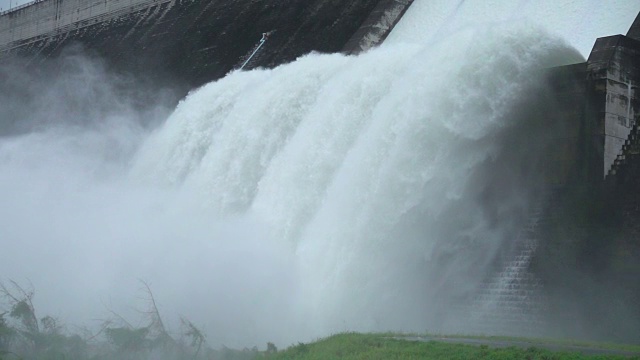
196 41
284 156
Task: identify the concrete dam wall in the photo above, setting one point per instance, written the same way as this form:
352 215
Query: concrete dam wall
196 41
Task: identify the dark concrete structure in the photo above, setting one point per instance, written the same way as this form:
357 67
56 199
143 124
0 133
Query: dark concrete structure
377 26
579 251
634 31
195 41
614 100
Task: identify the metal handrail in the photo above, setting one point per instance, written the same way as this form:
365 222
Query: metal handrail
265 36
19 7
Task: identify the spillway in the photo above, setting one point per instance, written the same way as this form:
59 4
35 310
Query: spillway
193 42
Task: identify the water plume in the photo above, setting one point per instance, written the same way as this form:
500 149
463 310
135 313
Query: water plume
334 193
371 169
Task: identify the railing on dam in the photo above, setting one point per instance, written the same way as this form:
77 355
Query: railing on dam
4 12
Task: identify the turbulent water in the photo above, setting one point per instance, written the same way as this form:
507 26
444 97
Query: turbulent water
333 193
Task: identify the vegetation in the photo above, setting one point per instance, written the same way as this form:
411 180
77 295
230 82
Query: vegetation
388 346
25 336
553 342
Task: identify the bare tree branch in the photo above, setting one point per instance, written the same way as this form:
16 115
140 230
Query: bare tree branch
154 313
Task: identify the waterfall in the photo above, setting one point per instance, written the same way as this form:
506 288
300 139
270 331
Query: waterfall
367 169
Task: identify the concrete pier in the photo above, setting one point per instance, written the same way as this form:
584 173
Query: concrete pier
377 26
613 99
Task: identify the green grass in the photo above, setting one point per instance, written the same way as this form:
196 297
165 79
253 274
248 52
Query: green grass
24 336
383 346
566 342
549 341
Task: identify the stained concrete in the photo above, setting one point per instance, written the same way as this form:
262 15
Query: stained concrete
194 41
377 26
634 31
613 100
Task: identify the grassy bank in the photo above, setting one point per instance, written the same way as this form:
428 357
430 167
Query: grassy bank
386 346
26 336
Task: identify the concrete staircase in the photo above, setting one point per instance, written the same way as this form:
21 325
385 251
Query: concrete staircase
630 150
622 182
510 302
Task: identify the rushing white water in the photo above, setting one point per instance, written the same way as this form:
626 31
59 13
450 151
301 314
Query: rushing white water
354 163
334 193
579 21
